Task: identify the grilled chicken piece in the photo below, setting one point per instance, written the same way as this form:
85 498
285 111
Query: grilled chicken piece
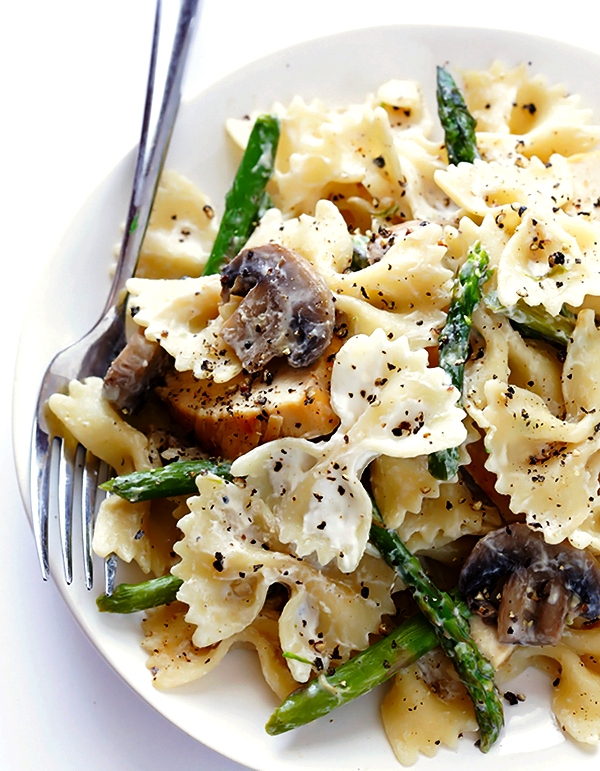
229 419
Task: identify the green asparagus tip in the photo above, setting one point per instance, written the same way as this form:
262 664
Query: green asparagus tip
457 121
246 198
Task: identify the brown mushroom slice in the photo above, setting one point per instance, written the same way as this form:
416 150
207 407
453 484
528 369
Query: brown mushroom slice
530 614
531 587
133 371
287 309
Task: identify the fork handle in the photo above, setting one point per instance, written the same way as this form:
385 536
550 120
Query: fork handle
151 156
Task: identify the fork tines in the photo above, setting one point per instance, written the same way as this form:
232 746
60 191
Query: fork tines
79 474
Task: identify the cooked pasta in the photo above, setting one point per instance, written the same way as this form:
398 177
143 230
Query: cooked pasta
279 558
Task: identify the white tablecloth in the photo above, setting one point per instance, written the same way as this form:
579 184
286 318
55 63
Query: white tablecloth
73 75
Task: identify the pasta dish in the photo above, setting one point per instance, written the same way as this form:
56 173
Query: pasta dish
356 422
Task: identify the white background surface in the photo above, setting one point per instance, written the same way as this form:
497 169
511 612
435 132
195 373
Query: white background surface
72 79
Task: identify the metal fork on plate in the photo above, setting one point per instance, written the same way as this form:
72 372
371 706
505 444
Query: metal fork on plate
78 469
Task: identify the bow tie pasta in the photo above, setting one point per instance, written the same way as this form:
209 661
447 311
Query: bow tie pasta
230 558
389 403
312 376
536 455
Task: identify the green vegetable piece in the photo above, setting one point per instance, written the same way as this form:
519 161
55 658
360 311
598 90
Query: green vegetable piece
360 254
444 464
535 321
451 629
296 657
365 671
177 478
247 195
456 120
453 342
129 598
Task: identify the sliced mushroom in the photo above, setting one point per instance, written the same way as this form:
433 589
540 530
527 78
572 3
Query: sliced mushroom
133 372
529 586
287 308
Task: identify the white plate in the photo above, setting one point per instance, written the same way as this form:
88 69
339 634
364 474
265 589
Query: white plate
228 708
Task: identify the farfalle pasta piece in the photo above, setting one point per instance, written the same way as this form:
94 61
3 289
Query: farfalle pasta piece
545 118
184 316
374 159
140 532
502 354
482 187
551 259
574 668
541 255
229 558
395 499
536 458
439 519
421 160
585 170
576 697
491 94
410 279
389 403
548 466
174 660
92 421
536 366
493 232
181 230
322 239
418 721
327 149
330 614
406 292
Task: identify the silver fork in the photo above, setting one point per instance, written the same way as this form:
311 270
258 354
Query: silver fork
79 471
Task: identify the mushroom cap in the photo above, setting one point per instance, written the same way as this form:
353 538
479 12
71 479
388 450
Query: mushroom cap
287 310
530 586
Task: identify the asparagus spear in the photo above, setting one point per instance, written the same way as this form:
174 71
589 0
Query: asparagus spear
129 598
535 321
177 478
451 629
456 120
368 669
454 341
247 195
